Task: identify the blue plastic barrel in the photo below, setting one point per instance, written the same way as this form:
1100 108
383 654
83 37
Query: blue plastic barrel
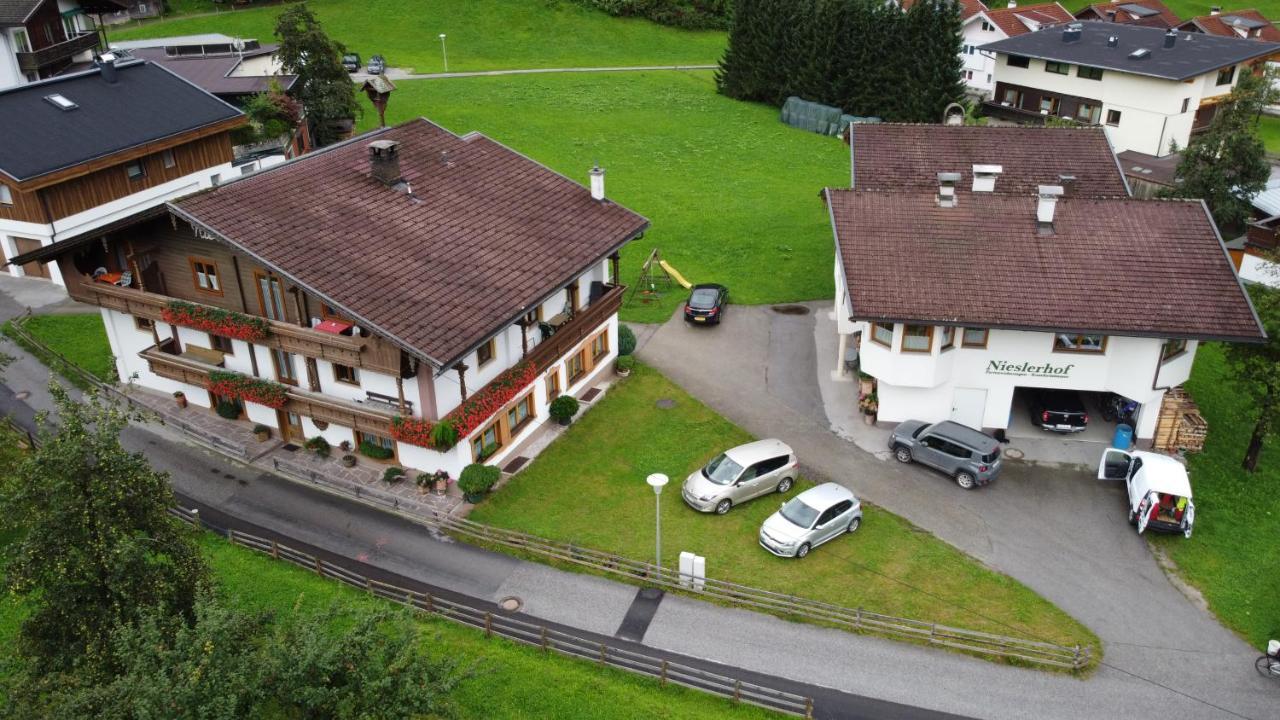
1123 438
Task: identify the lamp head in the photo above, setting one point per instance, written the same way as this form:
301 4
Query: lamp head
657 481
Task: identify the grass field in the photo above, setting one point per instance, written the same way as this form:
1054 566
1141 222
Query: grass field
508 681
80 338
488 35
1269 131
887 566
1232 557
732 193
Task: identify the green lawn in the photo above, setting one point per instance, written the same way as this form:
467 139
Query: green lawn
80 338
508 680
1269 131
488 35
732 193
887 566
1232 557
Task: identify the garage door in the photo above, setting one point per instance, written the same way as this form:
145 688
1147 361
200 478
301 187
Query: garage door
968 405
31 269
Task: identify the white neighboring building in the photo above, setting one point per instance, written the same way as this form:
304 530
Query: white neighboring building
40 38
983 26
1151 88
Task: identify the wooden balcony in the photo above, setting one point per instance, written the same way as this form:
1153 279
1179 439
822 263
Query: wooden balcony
569 335
372 354
44 57
189 370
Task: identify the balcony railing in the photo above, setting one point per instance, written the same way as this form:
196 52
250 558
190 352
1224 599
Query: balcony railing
187 369
370 353
567 336
37 60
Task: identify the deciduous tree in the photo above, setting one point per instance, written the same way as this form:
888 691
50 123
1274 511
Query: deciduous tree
1255 368
323 86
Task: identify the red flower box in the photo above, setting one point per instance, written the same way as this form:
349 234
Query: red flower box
226 323
251 389
472 413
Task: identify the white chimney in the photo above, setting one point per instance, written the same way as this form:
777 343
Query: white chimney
597 183
984 177
1215 10
947 182
1013 3
1048 195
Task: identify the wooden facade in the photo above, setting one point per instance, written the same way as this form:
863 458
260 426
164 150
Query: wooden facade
1022 103
99 182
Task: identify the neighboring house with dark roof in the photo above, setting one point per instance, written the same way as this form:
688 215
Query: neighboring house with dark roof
989 25
1248 24
1151 88
1149 13
961 302
408 273
1015 160
86 152
40 38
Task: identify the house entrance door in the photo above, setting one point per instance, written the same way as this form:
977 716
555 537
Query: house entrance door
968 405
290 426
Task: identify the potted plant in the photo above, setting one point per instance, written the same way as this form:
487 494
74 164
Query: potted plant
392 475
444 434
564 408
349 460
180 398
623 365
869 405
375 451
866 384
229 410
262 432
319 446
345 446
476 480
440 479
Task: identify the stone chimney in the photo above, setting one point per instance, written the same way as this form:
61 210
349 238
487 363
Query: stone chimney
597 183
384 161
947 182
1048 201
984 177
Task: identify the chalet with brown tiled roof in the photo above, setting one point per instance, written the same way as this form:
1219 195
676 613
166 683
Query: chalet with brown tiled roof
1249 24
989 25
380 287
1149 13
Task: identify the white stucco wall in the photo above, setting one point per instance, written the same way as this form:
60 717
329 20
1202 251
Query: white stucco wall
1257 270
981 65
9 73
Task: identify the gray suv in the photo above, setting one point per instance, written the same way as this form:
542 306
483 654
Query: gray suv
969 456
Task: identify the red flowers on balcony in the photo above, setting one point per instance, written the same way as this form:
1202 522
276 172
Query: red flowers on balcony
242 387
474 412
226 323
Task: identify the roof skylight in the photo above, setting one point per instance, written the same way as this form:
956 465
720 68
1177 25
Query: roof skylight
61 102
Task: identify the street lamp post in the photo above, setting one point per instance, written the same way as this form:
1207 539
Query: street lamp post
657 481
444 52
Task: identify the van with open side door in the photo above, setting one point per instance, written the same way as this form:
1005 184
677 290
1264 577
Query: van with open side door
1158 486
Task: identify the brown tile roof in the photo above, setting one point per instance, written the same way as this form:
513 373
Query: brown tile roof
213 72
1165 18
1045 14
968 8
1119 266
486 233
1217 25
894 157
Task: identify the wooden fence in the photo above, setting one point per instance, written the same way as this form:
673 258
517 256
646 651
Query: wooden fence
1023 650
541 636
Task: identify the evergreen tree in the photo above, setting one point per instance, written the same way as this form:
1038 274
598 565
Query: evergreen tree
96 546
323 85
1226 165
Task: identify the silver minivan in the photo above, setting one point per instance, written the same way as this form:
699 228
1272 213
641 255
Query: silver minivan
740 474
811 518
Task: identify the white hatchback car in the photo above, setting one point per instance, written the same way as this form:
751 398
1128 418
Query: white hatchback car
810 519
741 474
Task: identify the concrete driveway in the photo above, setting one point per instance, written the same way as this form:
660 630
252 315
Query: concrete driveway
1055 528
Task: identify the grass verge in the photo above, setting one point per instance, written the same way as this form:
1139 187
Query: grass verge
888 566
79 338
1232 558
489 35
1269 131
732 194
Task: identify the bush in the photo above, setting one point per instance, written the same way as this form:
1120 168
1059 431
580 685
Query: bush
375 451
229 410
687 14
564 407
444 435
393 475
626 340
625 363
319 446
477 479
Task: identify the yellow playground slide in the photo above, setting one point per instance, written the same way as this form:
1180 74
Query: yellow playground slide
675 274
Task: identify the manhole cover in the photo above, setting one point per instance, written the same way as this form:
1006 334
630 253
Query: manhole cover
1014 453
665 403
790 309
510 604
22 394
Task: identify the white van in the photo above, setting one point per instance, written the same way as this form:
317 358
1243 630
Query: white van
1159 489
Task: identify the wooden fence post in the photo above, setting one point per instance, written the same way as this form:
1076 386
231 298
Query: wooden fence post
808 709
604 656
488 624
368 585
737 691
662 677
858 620
543 637
319 567
431 608
275 550
231 535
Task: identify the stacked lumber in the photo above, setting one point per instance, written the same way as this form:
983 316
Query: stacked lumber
1180 426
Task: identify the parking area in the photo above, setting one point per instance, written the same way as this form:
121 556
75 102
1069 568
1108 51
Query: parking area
1097 430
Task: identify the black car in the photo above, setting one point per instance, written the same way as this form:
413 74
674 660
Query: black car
1057 410
351 62
706 304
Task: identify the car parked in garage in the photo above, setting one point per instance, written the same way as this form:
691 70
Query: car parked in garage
810 519
969 456
1057 410
741 474
1158 486
706 303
